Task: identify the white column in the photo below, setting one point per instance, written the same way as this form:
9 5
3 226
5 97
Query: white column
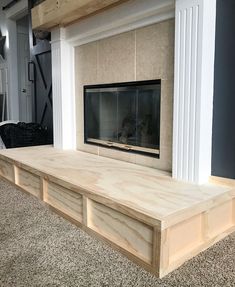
64 125
193 91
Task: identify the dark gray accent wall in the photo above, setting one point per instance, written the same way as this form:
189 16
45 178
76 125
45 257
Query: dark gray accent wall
223 139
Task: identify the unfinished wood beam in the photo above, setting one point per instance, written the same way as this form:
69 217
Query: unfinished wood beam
52 13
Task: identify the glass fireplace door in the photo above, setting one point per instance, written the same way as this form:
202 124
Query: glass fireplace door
124 116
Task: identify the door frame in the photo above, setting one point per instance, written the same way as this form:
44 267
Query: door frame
14 13
23 103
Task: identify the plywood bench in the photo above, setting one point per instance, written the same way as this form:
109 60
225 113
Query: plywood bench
155 221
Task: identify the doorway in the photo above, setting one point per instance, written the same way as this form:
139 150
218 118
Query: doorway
23 56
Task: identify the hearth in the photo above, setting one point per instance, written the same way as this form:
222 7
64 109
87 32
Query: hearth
124 116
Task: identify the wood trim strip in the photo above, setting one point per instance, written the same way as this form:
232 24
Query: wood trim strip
164 251
85 209
156 248
16 177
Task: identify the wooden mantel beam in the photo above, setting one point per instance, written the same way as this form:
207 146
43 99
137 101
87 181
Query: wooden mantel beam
52 13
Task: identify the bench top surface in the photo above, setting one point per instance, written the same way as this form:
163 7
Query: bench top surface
143 189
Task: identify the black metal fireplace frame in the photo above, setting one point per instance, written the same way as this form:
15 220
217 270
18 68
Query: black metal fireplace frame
116 85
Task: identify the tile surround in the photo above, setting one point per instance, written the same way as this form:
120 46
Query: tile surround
116 58
143 54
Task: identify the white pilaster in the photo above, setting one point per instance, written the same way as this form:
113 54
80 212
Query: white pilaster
193 92
63 91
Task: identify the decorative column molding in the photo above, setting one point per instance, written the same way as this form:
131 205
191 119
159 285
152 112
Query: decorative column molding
193 91
63 91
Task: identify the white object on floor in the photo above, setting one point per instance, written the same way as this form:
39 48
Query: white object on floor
8 122
2 145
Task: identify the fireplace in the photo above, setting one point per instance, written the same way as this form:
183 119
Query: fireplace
124 116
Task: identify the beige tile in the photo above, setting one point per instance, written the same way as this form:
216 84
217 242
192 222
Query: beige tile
162 163
167 32
154 63
165 158
117 154
166 124
86 73
145 160
86 63
116 58
79 109
155 60
155 51
85 147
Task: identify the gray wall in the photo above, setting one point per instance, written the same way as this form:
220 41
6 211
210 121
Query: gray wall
223 141
8 29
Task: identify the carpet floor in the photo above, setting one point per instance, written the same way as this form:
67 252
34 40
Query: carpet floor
39 248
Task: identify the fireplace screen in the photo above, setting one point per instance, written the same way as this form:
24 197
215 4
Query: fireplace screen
124 116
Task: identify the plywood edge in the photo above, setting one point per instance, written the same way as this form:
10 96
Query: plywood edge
8 159
200 207
164 252
156 254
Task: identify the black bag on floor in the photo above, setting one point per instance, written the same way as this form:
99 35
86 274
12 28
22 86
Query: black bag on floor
23 134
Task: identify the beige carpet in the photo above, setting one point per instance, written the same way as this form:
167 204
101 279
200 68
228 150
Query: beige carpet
38 248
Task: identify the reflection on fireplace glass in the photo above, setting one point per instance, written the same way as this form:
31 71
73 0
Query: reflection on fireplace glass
124 116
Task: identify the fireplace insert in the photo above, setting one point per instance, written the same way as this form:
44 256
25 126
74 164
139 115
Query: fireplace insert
124 116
